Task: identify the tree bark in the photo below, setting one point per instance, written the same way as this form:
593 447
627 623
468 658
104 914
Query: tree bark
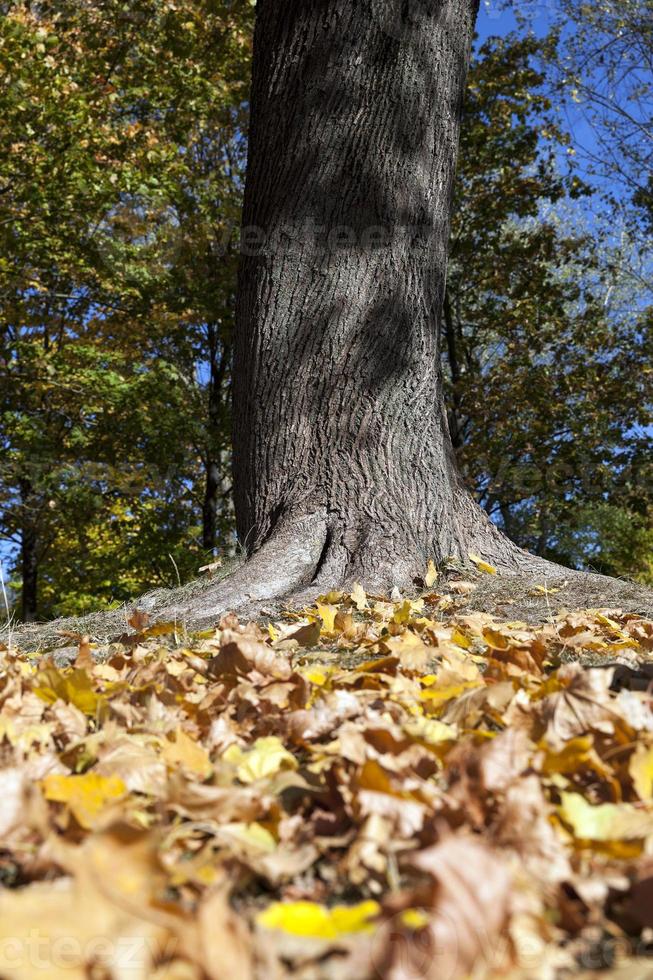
339 421
455 414
28 556
218 359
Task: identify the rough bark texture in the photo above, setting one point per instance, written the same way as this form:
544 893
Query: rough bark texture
338 402
218 357
28 556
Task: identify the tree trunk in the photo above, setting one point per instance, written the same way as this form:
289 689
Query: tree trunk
340 432
28 556
210 505
455 413
215 427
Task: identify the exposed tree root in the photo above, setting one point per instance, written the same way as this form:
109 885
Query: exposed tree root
282 565
307 556
316 552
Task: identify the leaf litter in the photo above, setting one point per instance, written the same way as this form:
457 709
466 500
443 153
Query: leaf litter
362 788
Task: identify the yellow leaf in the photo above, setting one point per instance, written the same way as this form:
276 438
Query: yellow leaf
460 639
495 639
253 837
358 597
266 757
431 730
160 629
411 650
86 795
317 921
186 752
333 597
415 918
402 612
641 771
317 675
25 736
482 565
71 686
435 695
431 576
542 590
462 665
605 822
327 614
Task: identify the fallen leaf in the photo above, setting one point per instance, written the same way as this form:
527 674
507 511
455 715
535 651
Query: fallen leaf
481 564
87 795
266 757
641 771
605 821
187 753
138 619
316 921
358 597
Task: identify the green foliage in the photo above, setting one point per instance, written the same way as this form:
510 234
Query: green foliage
549 393
121 160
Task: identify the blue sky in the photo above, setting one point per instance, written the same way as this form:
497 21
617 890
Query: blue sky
494 18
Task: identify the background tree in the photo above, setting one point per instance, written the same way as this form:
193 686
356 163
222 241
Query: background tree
120 164
531 340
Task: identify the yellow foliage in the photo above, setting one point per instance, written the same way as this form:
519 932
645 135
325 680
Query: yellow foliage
358 597
309 919
87 795
72 686
606 821
482 565
641 771
186 752
266 757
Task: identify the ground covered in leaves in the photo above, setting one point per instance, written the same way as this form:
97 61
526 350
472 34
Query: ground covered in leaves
402 788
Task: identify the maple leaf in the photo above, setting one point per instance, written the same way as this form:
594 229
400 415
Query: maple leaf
467 908
266 757
605 821
582 703
87 796
187 753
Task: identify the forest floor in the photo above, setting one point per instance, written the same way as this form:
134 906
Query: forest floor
455 784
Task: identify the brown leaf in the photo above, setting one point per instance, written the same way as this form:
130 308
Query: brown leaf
582 704
225 943
84 658
241 655
138 619
453 925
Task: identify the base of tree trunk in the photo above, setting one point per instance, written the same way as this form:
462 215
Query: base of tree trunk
280 578
310 553
306 557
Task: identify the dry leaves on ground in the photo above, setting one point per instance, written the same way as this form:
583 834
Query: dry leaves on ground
364 789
